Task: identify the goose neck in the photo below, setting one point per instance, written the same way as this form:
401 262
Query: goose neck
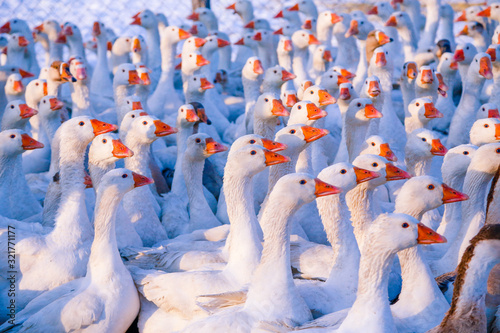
362 207
178 185
264 127
153 42
251 89
193 177
142 155
81 99
418 165
97 169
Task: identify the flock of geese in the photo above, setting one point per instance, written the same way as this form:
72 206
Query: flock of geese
339 174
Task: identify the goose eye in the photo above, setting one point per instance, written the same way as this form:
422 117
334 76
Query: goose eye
292 132
144 122
467 48
424 139
44 101
253 152
36 84
430 187
312 92
124 175
484 109
375 164
133 116
81 123
128 102
252 141
373 144
12 136
359 104
123 70
299 107
498 150
405 225
466 152
194 79
275 72
302 182
486 125
12 106
266 100
343 171
418 104
331 76
198 140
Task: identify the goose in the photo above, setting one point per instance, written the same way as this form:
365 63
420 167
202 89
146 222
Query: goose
360 29
267 109
448 69
422 144
306 7
139 50
464 54
326 21
16 115
80 92
422 111
433 15
487 110
141 206
320 59
101 85
407 81
124 82
284 53
120 52
16 47
17 25
66 248
147 19
476 31
142 89
377 38
426 84
301 39
105 298
406 30
74 38
13 183
347 93
467 311
372 293
376 145
482 168
158 101
244 242
445 30
371 89
347 53
265 46
290 16
273 79
51 28
479 70
286 306
493 50
14 88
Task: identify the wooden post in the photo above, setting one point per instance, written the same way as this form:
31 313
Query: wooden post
200 3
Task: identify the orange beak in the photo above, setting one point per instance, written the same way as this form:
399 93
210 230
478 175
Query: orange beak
371 112
96 29
143 113
325 98
294 8
66 74
492 53
313 40
391 22
191 116
431 111
363 175
194 30
100 127
427 76
61 38
485 68
240 42
55 104
203 116
120 150
459 55
26 111
136 45
383 38
373 11
373 89
5 29
250 25
345 73
451 195
213 147
306 84
146 81
222 43
140 180
314 113
291 99
257 36
312 133
137 20
353 29
24 74
454 65
341 79
323 189
29 143
45 92
497 131
39 28
464 31
273 145
183 34
18 86
163 129
336 18
443 88
279 15
327 55
485 13
278 109
200 61
23 41
385 151
462 17
428 236
205 84
133 77
380 60
287 76
307 25
279 31
344 94
136 106
87 181
437 148
109 46
194 17
233 7
273 158
179 65
287 45
68 31
394 173
493 113
257 67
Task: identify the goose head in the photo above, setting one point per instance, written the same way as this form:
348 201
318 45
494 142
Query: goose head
486 159
201 146
347 92
387 171
79 131
301 39
423 143
174 34
361 110
298 136
133 103
264 38
470 14
319 96
204 15
425 193
14 25
359 28
426 78
258 24
107 149
71 32
268 107
200 111
99 31
375 39
297 189
464 53
36 89
192 62
162 21
331 80
254 139
78 68
126 75
291 16
480 67
305 112
456 161
49 107
122 45
382 9
17 114
423 109
447 65
241 6
212 43
49 27
381 60
310 24
391 233
289 98
252 159
128 119
186 116
198 84
472 29
346 176
138 45
198 29
344 72
276 76
371 88
17 42
247 40
14 142
492 11
143 73
146 129
59 72
146 19
494 50
302 87
376 145
486 130
284 46
322 56
400 20
327 19
117 182
14 85
307 7
488 110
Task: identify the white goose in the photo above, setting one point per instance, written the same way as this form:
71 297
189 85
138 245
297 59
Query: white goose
16 115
